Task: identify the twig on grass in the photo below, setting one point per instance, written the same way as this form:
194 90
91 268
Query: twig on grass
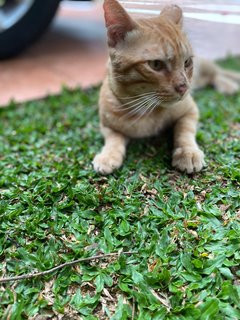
163 300
133 309
66 264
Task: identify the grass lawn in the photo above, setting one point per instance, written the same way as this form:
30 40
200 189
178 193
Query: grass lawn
184 231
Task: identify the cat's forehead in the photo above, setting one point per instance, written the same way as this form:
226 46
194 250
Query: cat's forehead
165 50
166 42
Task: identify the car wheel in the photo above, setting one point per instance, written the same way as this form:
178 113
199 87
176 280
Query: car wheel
23 21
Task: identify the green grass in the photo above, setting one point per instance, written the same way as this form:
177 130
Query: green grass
184 230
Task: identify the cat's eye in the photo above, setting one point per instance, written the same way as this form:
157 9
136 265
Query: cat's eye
156 65
188 62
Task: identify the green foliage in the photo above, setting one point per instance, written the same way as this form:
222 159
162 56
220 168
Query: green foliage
54 208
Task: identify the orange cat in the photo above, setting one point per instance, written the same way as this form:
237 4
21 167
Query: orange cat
147 87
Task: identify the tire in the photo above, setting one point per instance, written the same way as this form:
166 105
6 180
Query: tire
28 28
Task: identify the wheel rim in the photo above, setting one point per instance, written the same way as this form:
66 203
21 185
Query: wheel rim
11 11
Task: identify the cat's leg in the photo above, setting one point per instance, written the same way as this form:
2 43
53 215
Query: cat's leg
186 154
113 152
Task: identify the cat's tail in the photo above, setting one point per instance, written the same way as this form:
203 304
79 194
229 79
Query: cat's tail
209 73
226 81
235 76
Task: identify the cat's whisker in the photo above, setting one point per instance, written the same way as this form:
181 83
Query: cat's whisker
145 111
156 103
132 108
154 107
138 107
151 101
132 101
135 102
142 105
147 101
160 100
139 95
145 105
148 107
117 77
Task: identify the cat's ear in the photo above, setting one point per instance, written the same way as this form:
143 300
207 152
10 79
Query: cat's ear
118 22
173 13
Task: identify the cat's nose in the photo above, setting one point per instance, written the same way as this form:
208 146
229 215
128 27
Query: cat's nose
181 88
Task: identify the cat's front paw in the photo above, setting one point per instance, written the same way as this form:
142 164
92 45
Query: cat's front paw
188 159
106 163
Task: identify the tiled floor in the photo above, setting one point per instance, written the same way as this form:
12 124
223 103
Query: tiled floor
73 52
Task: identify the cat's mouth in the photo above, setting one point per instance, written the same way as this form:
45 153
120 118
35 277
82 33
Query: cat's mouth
173 98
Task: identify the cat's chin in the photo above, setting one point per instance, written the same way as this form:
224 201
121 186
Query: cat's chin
168 104
182 97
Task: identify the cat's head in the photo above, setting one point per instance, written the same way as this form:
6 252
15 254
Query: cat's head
149 55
